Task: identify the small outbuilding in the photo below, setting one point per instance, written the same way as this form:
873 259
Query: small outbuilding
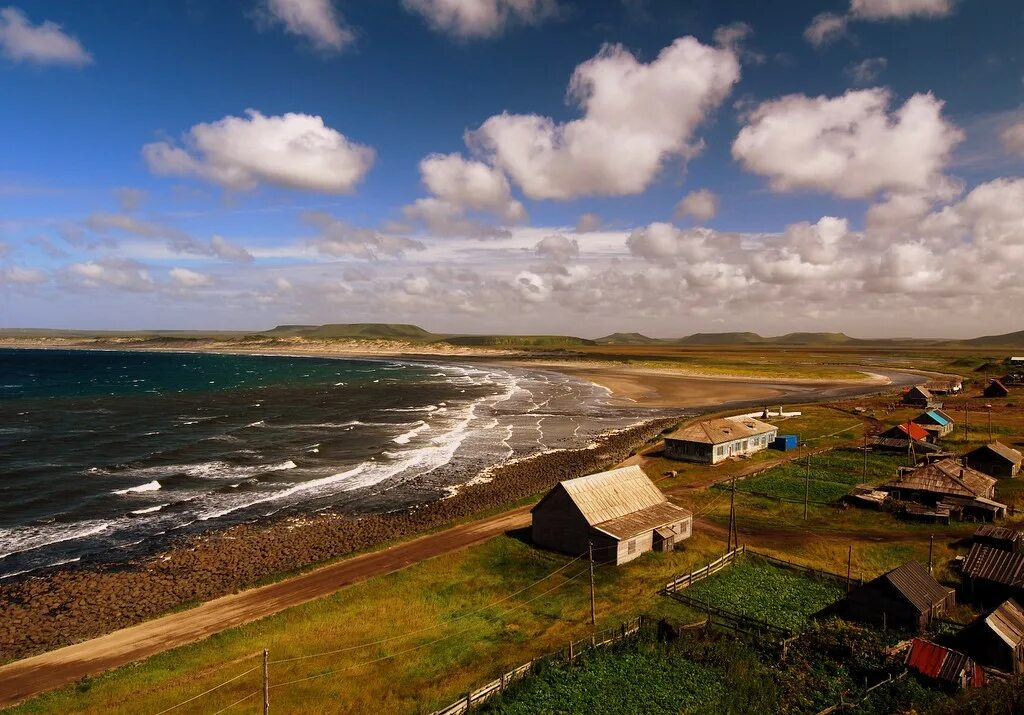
935 422
996 639
946 667
907 598
621 512
992 575
947 484
714 441
996 388
996 460
999 537
919 396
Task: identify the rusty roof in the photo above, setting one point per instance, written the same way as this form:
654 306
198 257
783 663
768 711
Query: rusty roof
610 495
721 430
994 564
916 585
1007 622
938 662
908 429
945 476
1001 450
649 519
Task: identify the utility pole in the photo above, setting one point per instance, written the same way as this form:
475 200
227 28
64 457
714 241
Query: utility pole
807 485
593 609
865 477
729 546
849 565
266 683
931 547
990 423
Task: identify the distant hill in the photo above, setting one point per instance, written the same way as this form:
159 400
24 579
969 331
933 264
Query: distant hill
812 339
1007 340
627 339
364 331
519 341
720 339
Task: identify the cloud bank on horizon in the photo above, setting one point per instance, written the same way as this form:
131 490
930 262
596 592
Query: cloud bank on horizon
516 166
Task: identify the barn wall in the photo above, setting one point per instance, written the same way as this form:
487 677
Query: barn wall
558 525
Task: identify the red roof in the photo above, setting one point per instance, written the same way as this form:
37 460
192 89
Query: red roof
945 664
926 658
913 430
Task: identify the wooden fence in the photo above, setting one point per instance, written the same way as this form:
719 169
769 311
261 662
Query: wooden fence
712 568
599 639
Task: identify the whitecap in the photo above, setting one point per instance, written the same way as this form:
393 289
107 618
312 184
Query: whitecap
149 509
407 436
147 487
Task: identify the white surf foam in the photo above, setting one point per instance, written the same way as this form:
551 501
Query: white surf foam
27 538
147 487
149 509
406 437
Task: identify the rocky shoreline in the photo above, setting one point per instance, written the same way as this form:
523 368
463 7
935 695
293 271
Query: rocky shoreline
66 606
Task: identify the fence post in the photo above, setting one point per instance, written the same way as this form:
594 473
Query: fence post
266 682
572 655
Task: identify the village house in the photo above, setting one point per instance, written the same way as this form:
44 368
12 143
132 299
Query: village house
948 488
999 537
996 639
920 397
943 666
992 575
996 388
906 598
621 512
936 423
713 441
905 438
945 387
996 460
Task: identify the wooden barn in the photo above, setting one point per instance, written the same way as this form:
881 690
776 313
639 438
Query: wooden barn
943 666
906 598
996 639
999 537
621 512
992 575
995 388
920 397
936 423
996 460
946 485
713 441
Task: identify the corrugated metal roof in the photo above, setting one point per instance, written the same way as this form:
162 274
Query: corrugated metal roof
919 392
1007 622
939 418
990 531
945 476
638 522
610 495
721 430
917 586
940 663
1001 450
996 565
926 657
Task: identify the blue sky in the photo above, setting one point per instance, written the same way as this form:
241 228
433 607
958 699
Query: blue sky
817 88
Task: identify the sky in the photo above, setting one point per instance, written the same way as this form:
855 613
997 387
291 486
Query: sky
514 166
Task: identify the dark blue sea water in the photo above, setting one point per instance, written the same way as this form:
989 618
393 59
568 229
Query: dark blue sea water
107 455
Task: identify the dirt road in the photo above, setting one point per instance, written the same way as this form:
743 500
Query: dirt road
31 676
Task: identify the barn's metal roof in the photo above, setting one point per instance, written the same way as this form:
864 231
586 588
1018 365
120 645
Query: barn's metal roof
917 586
610 495
722 430
990 531
649 519
994 564
938 417
1007 622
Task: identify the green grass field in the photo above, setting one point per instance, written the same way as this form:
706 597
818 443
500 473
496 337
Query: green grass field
757 589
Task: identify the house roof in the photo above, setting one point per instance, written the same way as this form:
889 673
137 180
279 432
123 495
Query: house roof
935 661
649 519
945 476
938 417
910 429
997 386
609 495
721 430
913 582
990 531
919 392
1007 622
994 564
1001 450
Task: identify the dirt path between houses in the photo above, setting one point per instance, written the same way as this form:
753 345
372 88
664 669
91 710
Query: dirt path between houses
24 678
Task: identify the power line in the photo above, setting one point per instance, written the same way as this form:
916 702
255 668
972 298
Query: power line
228 707
207 692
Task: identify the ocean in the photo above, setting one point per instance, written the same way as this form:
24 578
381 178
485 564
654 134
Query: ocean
109 455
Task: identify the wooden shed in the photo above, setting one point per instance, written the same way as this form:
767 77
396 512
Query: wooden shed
995 388
999 537
947 483
996 639
713 441
996 460
936 422
906 598
920 397
621 512
946 667
992 575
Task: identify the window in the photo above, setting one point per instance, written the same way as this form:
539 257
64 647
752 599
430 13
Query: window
721 451
631 546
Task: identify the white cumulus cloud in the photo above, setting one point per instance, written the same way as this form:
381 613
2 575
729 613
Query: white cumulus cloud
474 19
636 116
702 205
470 185
1013 138
316 20
44 44
189 279
851 145
899 9
292 150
